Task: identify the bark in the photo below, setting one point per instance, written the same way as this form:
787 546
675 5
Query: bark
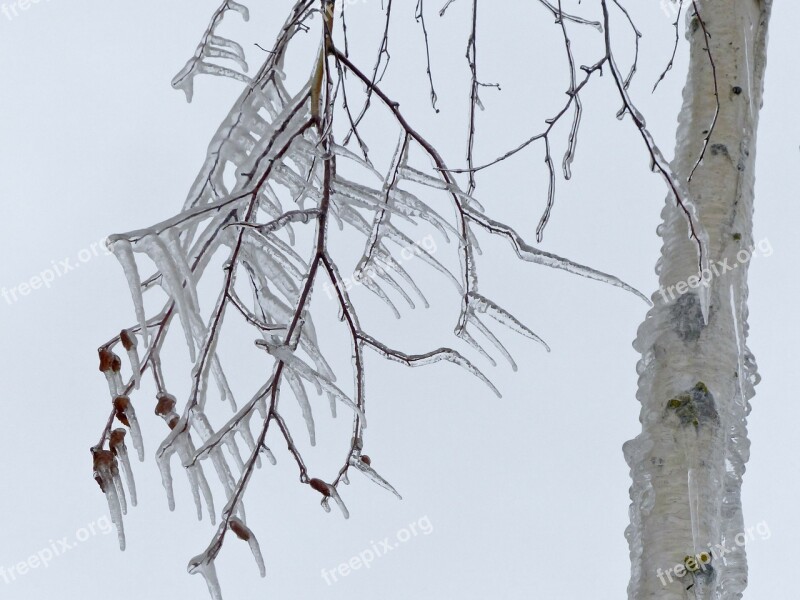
696 375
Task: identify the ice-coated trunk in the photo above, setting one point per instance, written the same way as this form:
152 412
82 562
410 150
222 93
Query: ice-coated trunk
696 377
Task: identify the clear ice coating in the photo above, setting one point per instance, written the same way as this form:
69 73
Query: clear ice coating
214 46
106 473
204 566
270 178
696 375
118 448
243 532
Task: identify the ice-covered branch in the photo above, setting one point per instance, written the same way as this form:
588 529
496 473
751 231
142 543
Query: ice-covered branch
262 206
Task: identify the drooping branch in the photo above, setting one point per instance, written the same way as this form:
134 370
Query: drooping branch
262 204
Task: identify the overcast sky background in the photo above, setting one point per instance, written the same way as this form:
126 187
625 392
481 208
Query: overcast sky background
525 496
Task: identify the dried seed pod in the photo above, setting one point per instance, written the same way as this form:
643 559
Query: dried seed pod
319 485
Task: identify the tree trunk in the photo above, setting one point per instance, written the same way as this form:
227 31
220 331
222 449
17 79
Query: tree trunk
696 375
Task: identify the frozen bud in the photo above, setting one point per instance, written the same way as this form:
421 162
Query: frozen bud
110 366
128 339
127 416
104 463
165 404
117 440
366 460
122 404
106 359
241 531
129 342
319 485
165 408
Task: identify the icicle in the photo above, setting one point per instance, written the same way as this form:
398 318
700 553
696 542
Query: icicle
128 340
117 444
694 416
302 399
340 503
705 302
108 362
484 305
203 427
166 477
270 455
243 532
529 253
362 463
185 452
328 491
104 465
204 566
173 244
123 250
420 360
127 416
233 450
206 490
172 283
115 478
321 383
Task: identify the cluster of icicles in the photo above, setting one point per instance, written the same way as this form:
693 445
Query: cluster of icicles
110 466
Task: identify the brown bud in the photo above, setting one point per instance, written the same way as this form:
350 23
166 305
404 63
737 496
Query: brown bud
128 339
320 486
165 404
102 459
116 363
366 460
173 421
239 529
116 439
106 359
121 404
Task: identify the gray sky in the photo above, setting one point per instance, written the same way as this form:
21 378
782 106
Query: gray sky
510 498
